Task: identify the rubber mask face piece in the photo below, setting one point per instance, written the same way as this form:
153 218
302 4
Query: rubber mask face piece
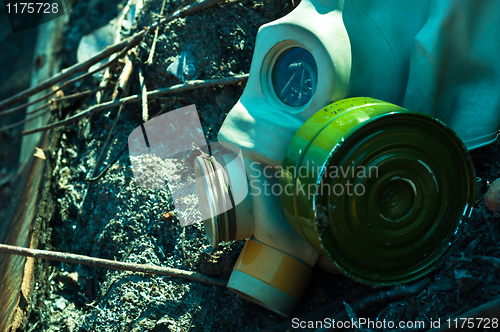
301 63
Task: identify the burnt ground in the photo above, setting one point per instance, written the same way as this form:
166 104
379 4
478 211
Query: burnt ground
114 218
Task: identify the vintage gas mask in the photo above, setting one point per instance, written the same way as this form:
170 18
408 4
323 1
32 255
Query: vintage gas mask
349 145
374 188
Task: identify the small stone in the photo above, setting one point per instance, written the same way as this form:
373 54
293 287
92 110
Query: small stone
60 303
184 66
67 281
130 297
492 197
168 216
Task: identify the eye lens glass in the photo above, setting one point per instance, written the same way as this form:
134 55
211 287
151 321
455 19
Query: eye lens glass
295 77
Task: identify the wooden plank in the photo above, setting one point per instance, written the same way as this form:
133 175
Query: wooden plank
17 277
16 229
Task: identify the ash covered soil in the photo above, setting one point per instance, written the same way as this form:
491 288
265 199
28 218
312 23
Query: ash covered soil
114 218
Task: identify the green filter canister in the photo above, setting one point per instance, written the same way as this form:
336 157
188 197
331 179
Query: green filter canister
378 189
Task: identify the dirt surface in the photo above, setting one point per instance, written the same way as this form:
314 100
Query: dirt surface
114 218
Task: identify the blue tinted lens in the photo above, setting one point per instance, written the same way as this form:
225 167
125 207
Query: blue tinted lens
295 77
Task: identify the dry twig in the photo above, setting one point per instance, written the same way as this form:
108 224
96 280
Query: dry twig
52 102
121 86
195 310
109 264
144 93
108 51
66 84
493 261
189 85
7 127
325 311
106 168
124 82
119 23
82 66
155 39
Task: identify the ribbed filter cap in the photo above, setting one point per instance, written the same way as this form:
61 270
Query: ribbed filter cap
214 197
383 192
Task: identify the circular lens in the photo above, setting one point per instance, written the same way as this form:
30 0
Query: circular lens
295 77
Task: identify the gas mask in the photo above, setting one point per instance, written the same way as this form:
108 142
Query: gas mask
349 145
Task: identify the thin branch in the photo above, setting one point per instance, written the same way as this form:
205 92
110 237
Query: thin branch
23 106
49 103
109 264
106 77
391 295
82 66
124 77
108 166
194 312
41 107
108 51
121 86
144 99
66 84
106 143
127 73
7 127
326 310
189 85
155 39
74 95
493 261
380 299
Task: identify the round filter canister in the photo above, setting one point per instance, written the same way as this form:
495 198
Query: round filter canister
378 189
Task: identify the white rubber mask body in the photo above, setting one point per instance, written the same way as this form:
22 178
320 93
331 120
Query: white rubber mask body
409 53
436 57
454 69
263 125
